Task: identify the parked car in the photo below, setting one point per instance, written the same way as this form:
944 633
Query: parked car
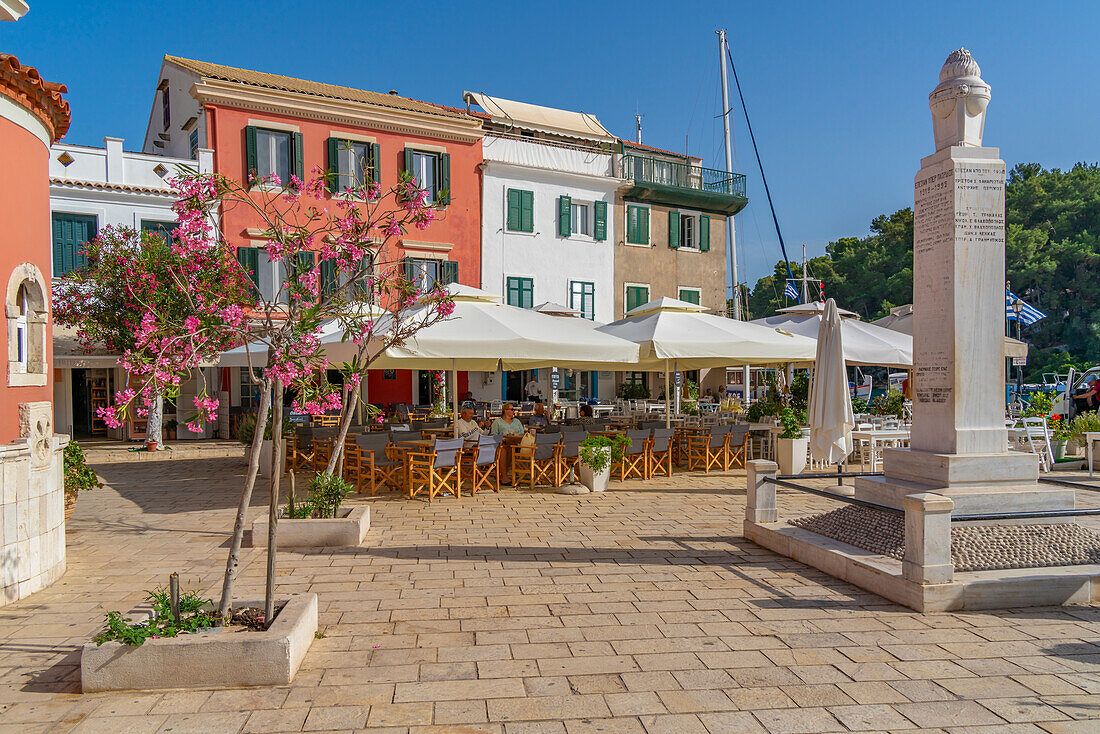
1067 404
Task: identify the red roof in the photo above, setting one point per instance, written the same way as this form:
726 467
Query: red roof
23 84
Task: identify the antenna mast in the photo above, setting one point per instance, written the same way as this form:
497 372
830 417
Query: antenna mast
731 245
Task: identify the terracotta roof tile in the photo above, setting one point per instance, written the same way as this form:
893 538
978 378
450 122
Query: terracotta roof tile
632 144
110 187
302 86
43 98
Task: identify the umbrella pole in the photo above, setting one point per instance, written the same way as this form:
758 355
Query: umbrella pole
668 418
454 397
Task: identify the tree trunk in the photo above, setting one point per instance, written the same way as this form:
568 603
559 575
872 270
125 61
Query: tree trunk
233 563
273 503
155 422
345 424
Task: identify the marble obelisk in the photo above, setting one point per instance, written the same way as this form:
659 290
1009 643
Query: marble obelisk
959 443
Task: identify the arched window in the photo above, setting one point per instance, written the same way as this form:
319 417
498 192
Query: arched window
26 309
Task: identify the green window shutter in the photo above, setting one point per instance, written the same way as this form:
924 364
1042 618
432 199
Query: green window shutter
691 296
334 164
251 165
376 163
328 277
70 233
450 272
637 228
443 180
632 224
704 233
599 231
565 205
362 290
298 150
636 295
409 266
645 230
409 161
674 229
515 205
249 258
527 211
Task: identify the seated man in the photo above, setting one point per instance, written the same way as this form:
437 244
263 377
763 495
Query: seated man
540 419
468 428
468 399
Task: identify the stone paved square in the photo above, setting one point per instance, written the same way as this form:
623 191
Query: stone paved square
639 610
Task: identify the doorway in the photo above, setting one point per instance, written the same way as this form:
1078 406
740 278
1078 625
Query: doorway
82 407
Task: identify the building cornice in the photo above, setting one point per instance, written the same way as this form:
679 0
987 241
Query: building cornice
341 112
610 182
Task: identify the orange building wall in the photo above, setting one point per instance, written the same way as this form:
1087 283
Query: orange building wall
24 237
458 224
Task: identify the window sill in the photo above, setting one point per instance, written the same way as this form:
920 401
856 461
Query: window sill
686 249
25 379
636 244
522 234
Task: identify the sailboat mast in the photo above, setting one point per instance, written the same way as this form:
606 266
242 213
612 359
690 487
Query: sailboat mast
805 282
731 245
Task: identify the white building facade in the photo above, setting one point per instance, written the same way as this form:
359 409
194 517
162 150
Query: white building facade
548 227
90 189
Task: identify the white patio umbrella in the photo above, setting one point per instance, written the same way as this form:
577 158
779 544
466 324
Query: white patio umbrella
864 344
901 319
831 418
484 334
678 335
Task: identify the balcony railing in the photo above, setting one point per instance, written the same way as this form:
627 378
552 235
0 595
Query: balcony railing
642 169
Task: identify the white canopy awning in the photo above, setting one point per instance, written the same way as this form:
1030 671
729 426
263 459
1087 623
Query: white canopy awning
901 320
670 330
864 344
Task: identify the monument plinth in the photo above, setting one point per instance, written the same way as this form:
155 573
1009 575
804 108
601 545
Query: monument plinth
959 445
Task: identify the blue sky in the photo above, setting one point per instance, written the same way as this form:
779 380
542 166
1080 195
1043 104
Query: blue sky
837 91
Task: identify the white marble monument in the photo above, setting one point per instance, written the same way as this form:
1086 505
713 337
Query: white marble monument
959 445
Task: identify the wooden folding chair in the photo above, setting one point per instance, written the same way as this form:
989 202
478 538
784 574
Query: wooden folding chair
569 455
437 470
660 453
536 464
367 462
323 439
708 450
299 449
480 465
635 461
737 447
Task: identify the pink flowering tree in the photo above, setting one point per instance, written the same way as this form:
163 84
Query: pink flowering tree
335 277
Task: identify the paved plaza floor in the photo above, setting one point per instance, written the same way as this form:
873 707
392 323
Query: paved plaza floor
638 610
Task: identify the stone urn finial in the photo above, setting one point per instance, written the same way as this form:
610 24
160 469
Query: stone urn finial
958 103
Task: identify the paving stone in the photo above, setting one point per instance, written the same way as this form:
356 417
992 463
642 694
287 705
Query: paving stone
871 717
947 713
811 720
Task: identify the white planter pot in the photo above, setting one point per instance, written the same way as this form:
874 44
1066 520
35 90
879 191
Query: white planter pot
265 458
597 482
790 454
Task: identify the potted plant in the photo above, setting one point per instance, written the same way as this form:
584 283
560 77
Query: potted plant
170 427
1060 434
317 521
790 448
79 476
246 430
1081 424
597 454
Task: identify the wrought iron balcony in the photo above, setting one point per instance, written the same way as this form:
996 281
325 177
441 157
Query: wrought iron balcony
680 184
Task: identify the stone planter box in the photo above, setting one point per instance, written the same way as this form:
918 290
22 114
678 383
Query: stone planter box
216 659
347 530
596 482
790 454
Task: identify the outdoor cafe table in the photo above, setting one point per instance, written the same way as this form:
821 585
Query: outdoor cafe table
598 410
877 439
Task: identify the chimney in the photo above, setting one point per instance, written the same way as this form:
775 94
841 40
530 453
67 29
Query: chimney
115 167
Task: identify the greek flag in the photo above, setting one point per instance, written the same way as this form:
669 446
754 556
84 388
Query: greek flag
1028 314
790 291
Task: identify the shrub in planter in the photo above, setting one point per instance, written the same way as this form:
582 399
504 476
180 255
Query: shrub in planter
597 455
79 477
196 614
790 448
891 403
326 493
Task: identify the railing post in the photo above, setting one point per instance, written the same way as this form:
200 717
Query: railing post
760 504
927 538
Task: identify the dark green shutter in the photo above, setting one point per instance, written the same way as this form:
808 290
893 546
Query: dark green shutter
376 163
409 161
704 233
410 269
632 224
334 164
599 231
443 180
298 151
251 165
450 272
674 229
328 277
515 207
527 211
565 208
643 225
70 233
249 258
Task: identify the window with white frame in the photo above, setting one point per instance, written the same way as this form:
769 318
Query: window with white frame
689 231
26 306
21 330
273 154
580 218
582 296
424 170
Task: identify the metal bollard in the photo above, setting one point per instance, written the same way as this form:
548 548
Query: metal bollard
174 595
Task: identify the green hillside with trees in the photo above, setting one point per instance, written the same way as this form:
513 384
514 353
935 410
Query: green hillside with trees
1053 254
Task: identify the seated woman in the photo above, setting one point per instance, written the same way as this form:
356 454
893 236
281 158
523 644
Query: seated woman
539 419
586 417
507 424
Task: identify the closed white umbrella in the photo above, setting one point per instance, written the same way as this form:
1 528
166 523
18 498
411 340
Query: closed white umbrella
831 418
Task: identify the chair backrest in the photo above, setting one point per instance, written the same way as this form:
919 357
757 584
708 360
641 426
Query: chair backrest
304 434
372 442
324 433
571 443
645 425
446 451
661 438
487 449
718 436
637 441
738 434
436 423
551 429
544 445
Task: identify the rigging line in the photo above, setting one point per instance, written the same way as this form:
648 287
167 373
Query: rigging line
775 219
